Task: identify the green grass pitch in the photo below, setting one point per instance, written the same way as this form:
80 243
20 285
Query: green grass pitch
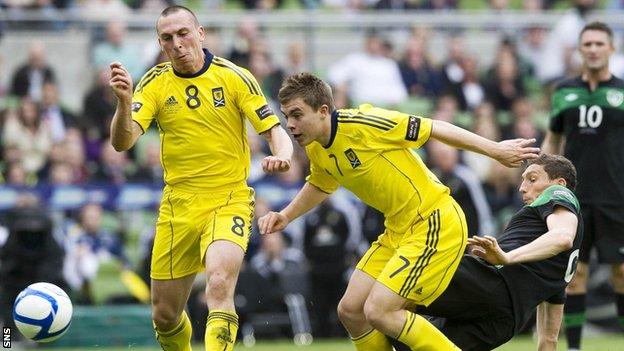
609 342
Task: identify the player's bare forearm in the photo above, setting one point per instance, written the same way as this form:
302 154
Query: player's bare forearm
510 153
279 142
306 199
549 317
281 149
552 143
560 237
460 138
123 128
123 132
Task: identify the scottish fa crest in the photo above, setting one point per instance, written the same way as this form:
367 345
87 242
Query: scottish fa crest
217 97
352 157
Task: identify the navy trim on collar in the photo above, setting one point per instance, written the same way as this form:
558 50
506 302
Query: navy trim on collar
334 129
207 61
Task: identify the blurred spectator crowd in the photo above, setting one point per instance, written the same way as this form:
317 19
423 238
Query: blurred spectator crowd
125 7
44 143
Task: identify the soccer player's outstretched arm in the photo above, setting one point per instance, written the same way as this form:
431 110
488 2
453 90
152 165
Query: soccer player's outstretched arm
560 237
307 198
510 153
549 318
124 132
281 148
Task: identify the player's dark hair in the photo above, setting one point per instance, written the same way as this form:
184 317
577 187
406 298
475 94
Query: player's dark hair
557 167
599 26
311 89
176 8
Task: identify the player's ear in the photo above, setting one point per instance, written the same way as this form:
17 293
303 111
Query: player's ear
202 33
324 109
561 181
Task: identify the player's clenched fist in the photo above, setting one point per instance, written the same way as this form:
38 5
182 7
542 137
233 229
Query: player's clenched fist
272 222
271 164
120 81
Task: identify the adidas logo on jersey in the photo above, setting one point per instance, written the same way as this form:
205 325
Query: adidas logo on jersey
171 101
419 291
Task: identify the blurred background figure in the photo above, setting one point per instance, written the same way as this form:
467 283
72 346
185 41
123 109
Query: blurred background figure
56 117
325 245
367 76
28 79
465 187
26 131
116 48
87 245
28 254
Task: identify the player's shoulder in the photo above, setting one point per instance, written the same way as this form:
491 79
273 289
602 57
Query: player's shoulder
367 117
234 74
557 193
569 82
616 82
154 75
228 68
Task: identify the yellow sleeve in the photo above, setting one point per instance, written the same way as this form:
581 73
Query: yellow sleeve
320 178
253 104
401 130
144 106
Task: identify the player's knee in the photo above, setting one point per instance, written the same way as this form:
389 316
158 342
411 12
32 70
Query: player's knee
374 313
617 277
578 284
217 289
164 317
349 311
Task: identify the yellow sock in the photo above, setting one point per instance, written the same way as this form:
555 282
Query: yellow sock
178 339
221 330
419 334
372 340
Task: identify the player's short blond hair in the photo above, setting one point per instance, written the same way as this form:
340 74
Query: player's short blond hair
311 89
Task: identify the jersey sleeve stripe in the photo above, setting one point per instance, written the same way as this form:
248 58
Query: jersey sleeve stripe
369 118
151 75
351 120
380 119
248 82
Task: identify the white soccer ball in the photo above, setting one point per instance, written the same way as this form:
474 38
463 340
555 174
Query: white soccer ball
42 312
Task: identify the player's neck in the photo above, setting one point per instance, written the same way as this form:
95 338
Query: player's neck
326 133
594 77
194 68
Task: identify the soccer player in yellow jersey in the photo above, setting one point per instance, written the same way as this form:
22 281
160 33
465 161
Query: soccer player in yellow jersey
368 151
200 103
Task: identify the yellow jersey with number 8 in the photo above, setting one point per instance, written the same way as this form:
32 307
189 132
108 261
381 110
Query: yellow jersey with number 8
202 121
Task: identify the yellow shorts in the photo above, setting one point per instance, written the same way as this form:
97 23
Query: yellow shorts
189 222
419 264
